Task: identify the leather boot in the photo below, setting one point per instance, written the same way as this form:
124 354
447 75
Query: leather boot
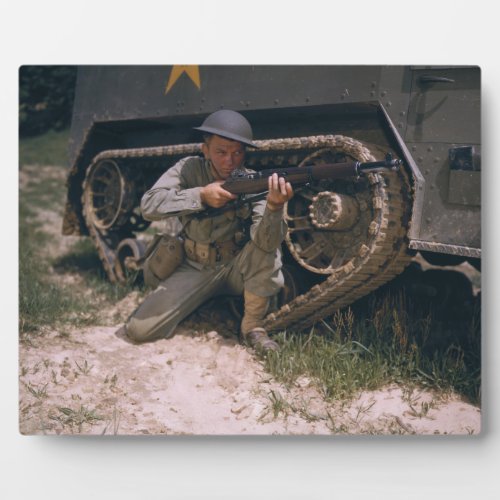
252 331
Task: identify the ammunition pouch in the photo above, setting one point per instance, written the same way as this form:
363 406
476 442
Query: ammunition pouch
211 254
163 256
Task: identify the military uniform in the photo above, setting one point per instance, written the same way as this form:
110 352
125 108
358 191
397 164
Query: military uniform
222 255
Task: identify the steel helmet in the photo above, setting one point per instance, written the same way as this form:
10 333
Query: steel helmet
228 124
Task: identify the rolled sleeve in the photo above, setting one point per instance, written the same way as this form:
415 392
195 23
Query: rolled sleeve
268 229
159 203
171 195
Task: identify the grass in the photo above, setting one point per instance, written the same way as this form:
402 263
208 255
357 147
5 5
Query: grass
43 301
46 196
50 148
82 259
386 339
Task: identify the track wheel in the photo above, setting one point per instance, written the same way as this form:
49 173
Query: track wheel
108 197
128 253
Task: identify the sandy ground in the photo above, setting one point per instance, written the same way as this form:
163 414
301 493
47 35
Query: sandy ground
94 381
201 381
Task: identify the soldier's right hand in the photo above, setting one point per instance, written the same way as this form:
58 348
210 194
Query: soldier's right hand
214 195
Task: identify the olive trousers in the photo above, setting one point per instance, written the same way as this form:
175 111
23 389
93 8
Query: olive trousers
189 287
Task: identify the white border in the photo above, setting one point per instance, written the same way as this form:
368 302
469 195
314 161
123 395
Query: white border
383 32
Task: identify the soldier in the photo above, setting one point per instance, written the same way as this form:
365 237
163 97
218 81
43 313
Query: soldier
233 253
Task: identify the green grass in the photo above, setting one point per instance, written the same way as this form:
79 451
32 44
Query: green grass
387 340
48 194
83 260
43 301
50 148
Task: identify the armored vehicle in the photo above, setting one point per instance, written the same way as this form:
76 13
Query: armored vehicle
132 123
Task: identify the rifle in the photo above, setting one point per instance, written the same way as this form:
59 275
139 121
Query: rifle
243 183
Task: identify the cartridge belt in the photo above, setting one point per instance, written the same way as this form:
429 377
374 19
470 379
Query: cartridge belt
211 254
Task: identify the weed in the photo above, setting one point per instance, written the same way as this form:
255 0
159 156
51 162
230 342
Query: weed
114 423
363 409
424 409
305 413
334 427
38 392
406 427
112 381
84 368
77 418
277 405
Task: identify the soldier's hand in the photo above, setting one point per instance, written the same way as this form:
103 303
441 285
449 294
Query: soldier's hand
280 192
215 196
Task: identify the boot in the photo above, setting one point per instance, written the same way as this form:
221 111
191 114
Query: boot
252 331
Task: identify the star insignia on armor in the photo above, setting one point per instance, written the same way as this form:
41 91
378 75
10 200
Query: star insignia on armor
192 71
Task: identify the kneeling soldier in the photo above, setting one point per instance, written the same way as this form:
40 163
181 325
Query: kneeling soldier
221 255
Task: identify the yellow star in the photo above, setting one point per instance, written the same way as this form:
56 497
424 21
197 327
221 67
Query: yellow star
192 71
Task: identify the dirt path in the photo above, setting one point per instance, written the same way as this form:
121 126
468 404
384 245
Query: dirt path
201 381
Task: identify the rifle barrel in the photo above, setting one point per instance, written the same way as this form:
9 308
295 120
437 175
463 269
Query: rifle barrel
258 182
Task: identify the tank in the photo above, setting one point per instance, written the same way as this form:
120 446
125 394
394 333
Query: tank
131 123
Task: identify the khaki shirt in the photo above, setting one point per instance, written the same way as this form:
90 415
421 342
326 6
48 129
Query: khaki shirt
177 193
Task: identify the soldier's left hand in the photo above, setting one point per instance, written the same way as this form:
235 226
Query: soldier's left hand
280 192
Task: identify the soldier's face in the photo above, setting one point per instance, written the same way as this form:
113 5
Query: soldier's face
226 155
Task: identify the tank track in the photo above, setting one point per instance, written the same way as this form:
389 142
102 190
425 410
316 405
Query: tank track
377 263
383 256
